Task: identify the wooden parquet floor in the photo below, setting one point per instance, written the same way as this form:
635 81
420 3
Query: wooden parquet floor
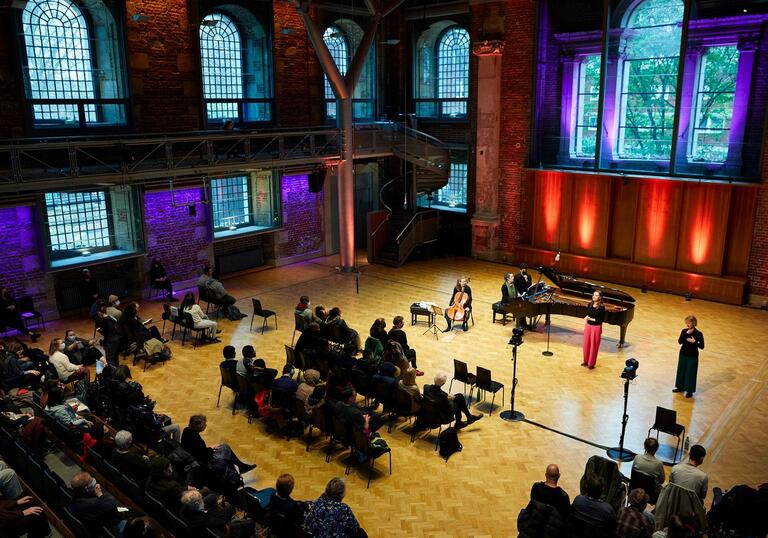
481 490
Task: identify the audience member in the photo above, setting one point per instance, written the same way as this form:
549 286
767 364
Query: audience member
127 459
633 521
311 391
94 507
450 406
311 342
10 487
135 331
89 293
303 310
285 382
10 315
331 518
126 392
397 334
64 368
408 384
22 518
245 363
106 324
261 375
162 485
199 318
385 382
676 528
219 293
379 331
20 371
138 527
349 336
689 476
112 303
282 506
548 492
65 414
393 353
649 464
352 416
590 509
81 351
199 515
159 280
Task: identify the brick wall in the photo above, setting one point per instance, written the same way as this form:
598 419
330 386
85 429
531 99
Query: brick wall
22 268
302 220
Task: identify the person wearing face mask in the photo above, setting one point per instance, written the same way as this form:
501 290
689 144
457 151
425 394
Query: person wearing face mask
67 370
81 351
112 309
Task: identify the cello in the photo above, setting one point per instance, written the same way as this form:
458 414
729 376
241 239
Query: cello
455 312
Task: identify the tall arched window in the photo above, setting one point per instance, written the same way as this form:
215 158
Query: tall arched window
72 69
651 50
337 45
222 64
453 72
235 62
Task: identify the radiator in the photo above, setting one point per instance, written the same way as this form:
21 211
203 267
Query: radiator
239 261
69 298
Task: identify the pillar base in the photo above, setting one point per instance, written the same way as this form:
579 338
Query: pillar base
485 237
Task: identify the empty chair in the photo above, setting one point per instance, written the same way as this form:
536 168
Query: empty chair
666 422
486 384
27 311
460 373
262 313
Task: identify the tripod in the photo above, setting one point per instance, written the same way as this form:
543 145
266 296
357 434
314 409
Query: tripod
620 453
512 415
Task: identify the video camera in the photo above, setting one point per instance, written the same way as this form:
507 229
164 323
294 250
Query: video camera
517 336
630 369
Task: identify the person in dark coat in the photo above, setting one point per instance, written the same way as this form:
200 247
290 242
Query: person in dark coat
159 280
10 315
450 406
94 507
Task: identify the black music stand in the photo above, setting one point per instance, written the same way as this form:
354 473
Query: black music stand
436 311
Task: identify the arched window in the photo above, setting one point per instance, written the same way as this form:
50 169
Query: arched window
72 70
441 74
651 50
236 67
337 45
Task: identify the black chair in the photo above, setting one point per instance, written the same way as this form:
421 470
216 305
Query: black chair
168 316
27 311
245 394
262 313
341 434
579 527
203 294
319 421
362 383
428 418
227 380
460 373
666 422
402 407
20 459
35 475
298 326
75 524
177 526
52 484
188 323
486 384
645 482
299 413
384 392
361 444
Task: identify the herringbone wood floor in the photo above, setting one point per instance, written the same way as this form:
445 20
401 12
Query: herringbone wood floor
481 490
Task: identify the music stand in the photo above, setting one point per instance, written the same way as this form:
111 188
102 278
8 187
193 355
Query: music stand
436 311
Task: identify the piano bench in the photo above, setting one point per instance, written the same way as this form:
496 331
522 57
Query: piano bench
417 311
499 309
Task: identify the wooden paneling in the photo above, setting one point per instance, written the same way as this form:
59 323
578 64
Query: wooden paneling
622 221
701 241
552 210
741 223
658 216
590 199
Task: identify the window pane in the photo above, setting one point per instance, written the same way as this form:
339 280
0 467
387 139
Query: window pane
453 72
231 202
337 45
222 65
587 99
454 194
77 221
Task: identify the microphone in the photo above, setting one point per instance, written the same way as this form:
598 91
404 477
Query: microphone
557 256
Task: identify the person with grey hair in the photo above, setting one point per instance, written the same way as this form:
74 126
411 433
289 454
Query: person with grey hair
200 516
329 517
450 406
127 459
94 507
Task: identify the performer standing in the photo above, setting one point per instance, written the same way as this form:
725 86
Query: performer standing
593 329
691 341
463 293
522 282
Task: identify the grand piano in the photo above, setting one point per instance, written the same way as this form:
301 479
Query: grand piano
570 297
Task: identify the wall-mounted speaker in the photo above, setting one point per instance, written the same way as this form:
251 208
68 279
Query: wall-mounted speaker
315 180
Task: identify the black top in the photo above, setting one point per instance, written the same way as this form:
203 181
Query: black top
350 415
95 512
467 300
194 444
399 336
380 335
156 272
88 291
554 497
131 464
691 349
522 282
598 314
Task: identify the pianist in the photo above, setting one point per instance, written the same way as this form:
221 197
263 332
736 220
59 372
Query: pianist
522 282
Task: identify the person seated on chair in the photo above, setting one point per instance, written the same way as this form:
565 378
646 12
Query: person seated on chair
67 370
112 303
127 459
465 296
508 289
329 517
450 406
393 353
10 487
379 331
162 485
245 363
311 342
633 521
523 281
111 341
126 392
23 518
311 390
548 492
261 375
397 334
135 331
20 371
215 288
65 414
677 527
281 504
649 464
211 512
229 355
286 382
199 318
220 458
349 414
349 336
10 315
159 280
689 476
89 293
408 384
387 376
81 350
94 507
590 509
303 310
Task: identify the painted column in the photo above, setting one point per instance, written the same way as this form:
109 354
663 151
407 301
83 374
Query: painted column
485 221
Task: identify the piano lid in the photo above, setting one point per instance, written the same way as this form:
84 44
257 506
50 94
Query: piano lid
584 288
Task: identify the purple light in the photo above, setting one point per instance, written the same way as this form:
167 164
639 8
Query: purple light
302 217
22 257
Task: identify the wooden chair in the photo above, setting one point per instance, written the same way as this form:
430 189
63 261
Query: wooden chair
262 313
227 380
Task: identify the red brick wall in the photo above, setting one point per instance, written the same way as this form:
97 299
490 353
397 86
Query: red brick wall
302 219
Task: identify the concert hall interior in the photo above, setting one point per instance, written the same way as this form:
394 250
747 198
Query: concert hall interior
382 158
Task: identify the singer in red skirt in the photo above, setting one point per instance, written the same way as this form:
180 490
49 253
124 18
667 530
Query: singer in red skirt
593 329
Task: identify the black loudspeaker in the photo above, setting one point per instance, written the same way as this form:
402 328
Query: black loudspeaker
315 180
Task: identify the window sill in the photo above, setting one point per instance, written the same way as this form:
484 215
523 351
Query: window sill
244 231
82 261
446 208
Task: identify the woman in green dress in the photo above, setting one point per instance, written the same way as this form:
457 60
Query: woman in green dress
691 340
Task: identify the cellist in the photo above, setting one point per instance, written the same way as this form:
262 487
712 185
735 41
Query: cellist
460 305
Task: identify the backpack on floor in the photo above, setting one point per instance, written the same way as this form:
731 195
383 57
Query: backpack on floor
449 442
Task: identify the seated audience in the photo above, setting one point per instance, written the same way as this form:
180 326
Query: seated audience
303 310
261 375
65 414
19 370
331 518
320 315
633 521
548 492
397 334
348 413
290 511
22 518
89 293
649 464
311 342
127 459
229 355
385 384
285 382
138 527
162 485
159 280
10 487
408 384
199 515
126 392
64 368
379 331
97 441
217 292
245 363
676 528
81 351
106 324
94 507
199 318
134 331
590 509
689 476
112 303
10 315
450 406
311 391
348 335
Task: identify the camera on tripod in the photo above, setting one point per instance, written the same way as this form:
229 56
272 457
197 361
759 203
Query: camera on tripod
517 336
630 369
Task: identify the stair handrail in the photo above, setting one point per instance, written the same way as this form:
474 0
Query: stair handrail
418 216
389 209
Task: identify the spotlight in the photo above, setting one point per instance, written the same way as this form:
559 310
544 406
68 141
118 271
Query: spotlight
630 369
644 288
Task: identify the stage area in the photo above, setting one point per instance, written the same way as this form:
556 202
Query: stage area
481 490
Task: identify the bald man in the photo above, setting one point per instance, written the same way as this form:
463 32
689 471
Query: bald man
548 492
